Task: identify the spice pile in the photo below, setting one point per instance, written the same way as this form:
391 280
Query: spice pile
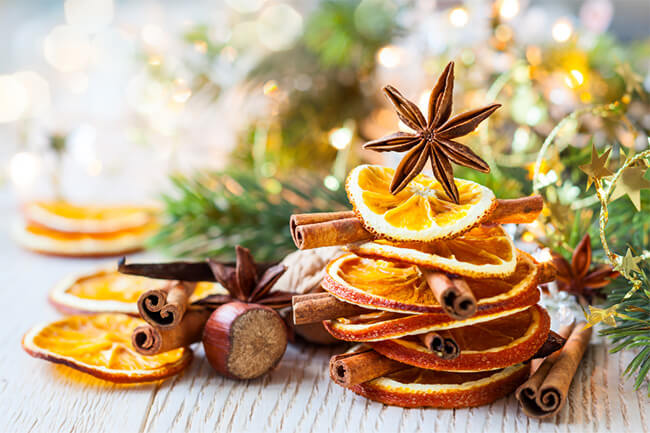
432 286
63 229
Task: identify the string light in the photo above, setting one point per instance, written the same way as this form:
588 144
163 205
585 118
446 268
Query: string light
389 56
340 138
458 17
574 79
562 30
508 9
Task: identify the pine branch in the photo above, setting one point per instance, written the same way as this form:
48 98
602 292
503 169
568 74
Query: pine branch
209 213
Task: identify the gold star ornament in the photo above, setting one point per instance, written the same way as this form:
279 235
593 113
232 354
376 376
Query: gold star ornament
597 168
631 182
597 315
630 264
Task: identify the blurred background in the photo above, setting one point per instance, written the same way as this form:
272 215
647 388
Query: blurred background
230 109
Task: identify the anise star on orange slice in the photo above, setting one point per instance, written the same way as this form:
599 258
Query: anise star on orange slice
433 137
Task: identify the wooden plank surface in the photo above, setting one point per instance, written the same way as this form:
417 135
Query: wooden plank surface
297 397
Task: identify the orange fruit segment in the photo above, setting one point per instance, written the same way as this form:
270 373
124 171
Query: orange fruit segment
421 211
400 287
416 387
107 290
47 241
67 217
484 251
100 345
484 346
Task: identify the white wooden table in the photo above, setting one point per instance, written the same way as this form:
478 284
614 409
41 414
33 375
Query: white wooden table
297 397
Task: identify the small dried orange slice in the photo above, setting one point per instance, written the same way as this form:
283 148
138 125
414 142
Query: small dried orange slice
100 345
421 211
400 287
67 217
106 290
47 241
484 251
484 346
416 387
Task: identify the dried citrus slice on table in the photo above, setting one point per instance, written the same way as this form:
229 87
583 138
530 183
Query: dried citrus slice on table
484 346
484 251
106 290
100 345
67 217
416 387
47 241
400 287
421 211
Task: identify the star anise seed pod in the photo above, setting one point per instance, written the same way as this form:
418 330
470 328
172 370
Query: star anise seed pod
246 284
434 136
577 278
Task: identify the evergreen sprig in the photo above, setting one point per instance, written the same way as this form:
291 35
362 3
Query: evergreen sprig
207 214
633 326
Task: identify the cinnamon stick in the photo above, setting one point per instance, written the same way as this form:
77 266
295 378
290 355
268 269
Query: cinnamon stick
165 307
340 228
521 210
453 294
544 394
152 340
442 343
349 369
316 307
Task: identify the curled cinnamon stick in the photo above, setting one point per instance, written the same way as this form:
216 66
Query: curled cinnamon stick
150 340
165 307
316 307
340 228
544 394
353 368
442 343
521 210
453 294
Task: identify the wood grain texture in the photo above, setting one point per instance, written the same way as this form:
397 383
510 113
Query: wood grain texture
297 396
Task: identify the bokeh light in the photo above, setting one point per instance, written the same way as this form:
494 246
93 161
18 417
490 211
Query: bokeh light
24 168
67 48
389 56
458 17
340 138
279 26
562 30
508 9
13 98
91 16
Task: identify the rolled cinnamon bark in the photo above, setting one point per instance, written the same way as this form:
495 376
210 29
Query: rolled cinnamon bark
330 233
165 307
453 294
353 368
521 210
544 394
340 228
151 340
442 343
316 307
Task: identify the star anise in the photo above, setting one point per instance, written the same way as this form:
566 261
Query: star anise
245 283
433 137
577 278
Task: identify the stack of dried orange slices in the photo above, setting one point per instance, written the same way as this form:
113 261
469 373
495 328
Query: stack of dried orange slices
432 286
441 293
64 229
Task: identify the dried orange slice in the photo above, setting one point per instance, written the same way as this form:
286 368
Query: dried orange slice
400 287
108 291
484 251
100 345
416 387
421 211
484 346
46 241
383 325
67 217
